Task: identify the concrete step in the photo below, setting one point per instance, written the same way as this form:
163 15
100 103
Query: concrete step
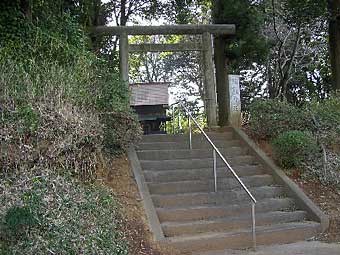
229 224
188 154
200 144
207 212
208 185
200 174
195 163
215 198
183 137
240 239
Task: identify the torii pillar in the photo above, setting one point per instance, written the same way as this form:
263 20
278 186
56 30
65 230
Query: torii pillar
209 80
124 57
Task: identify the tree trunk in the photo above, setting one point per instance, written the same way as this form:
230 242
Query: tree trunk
287 72
221 80
26 9
97 20
221 61
123 14
334 41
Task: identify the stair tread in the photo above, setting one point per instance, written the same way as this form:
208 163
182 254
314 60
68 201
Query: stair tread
194 136
170 135
215 193
188 150
201 169
259 230
198 207
182 142
241 217
198 159
209 180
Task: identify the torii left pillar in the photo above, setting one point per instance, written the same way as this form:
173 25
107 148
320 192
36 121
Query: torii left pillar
209 80
124 58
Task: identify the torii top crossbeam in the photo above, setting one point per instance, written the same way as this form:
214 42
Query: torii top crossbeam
216 29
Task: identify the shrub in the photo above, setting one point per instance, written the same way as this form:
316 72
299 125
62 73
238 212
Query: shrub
53 94
120 130
293 148
328 173
271 117
18 219
327 116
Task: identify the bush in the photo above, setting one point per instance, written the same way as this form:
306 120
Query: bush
271 117
327 116
120 130
328 173
51 107
293 148
17 220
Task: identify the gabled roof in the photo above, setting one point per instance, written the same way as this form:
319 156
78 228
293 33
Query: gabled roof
149 94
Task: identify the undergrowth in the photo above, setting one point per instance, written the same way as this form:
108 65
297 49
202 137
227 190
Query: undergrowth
307 138
61 106
62 110
46 213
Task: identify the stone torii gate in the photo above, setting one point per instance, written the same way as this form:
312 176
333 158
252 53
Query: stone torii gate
205 46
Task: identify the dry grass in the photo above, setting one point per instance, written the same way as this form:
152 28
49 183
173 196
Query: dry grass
65 138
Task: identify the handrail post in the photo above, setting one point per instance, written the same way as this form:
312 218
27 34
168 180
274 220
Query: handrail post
179 121
173 119
253 224
190 133
215 170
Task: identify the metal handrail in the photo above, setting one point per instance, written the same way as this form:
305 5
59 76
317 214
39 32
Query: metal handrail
216 150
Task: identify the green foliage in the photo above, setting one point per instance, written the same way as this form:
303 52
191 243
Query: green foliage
327 117
111 94
269 118
249 45
293 148
328 173
304 11
12 23
53 94
28 119
59 215
17 220
120 129
179 123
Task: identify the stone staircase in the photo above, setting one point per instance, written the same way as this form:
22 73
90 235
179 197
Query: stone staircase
193 218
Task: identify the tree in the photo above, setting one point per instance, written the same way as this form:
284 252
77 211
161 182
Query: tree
239 52
334 41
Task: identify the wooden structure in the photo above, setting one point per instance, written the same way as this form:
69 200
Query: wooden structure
205 46
150 101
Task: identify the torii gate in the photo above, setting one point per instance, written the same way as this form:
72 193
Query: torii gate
205 46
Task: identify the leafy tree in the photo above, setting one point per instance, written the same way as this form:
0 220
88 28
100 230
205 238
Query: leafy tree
334 40
240 51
